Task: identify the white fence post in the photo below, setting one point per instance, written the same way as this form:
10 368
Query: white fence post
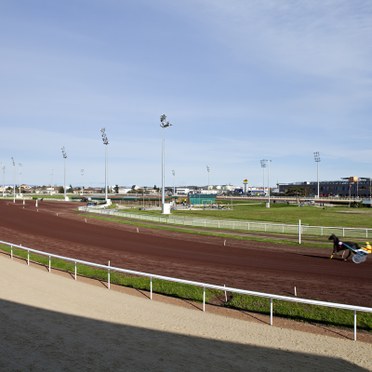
355 325
150 287
49 264
11 252
204 299
271 311
28 257
299 231
108 275
75 271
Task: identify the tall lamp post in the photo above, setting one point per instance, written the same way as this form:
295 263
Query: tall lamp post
105 142
164 123
263 166
317 161
268 185
14 180
82 181
64 155
174 181
20 179
208 171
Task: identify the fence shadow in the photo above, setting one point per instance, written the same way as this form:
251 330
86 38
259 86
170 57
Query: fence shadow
37 339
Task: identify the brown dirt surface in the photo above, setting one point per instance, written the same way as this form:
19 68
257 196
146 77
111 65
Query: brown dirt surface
56 227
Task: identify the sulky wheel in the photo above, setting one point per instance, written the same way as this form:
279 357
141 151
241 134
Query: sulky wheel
358 258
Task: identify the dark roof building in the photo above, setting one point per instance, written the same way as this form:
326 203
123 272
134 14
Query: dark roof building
357 187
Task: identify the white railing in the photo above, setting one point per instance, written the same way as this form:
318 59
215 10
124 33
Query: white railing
205 286
282 228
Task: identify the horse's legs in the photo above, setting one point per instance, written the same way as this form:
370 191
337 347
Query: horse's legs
348 255
334 250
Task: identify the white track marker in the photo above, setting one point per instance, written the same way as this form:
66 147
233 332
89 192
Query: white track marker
224 242
137 229
295 291
225 293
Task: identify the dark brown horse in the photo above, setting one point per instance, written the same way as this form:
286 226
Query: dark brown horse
339 246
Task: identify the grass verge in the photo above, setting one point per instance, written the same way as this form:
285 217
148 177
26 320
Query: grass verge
313 241
295 311
301 312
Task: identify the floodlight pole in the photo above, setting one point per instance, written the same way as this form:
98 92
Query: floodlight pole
164 123
105 142
317 161
263 166
14 180
174 181
268 184
162 173
20 178
64 155
82 178
208 171
264 163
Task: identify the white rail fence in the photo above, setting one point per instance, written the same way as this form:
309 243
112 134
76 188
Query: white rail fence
295 229
204 286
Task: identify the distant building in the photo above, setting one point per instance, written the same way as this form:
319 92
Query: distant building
183 190
354 187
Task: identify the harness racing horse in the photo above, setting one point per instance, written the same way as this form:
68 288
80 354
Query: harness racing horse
339 246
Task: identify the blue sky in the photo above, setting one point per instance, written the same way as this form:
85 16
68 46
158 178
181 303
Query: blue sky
240 80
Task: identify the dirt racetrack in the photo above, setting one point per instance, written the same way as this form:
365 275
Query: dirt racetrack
57 227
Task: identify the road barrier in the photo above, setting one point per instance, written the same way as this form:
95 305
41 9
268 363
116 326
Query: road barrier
204 286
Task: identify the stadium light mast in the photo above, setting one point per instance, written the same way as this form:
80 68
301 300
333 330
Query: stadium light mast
82 181
105 142
164 123
174 181
317 161
208 171
266 163
64 155
263 166
14 179
20 178
268 184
